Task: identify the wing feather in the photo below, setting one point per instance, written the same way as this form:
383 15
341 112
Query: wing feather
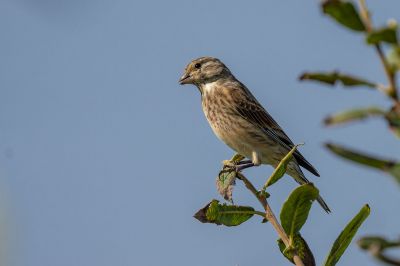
251 110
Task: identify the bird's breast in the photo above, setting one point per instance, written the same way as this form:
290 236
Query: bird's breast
217 110
226 123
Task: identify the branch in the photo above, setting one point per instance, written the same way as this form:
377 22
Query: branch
376 251
269 215
390 74
388 260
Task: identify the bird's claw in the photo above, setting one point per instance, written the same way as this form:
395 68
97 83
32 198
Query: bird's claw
229 167
228 163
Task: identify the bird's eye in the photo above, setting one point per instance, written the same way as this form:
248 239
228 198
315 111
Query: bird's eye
198 65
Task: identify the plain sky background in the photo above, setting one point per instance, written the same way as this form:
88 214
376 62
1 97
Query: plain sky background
104 157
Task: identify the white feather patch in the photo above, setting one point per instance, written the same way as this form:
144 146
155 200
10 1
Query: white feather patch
209 87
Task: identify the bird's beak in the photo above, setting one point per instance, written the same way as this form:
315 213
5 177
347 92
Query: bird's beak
185 79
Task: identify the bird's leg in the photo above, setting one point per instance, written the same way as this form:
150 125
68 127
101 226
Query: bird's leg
255 161
243 162
233 164
238 163
240 167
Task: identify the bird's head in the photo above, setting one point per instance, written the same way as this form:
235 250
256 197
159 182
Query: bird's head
204 70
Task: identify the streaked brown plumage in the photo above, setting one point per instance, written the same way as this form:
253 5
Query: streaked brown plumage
239 120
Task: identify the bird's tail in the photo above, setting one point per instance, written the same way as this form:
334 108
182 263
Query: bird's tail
323 204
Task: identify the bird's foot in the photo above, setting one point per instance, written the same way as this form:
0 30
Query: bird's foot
228 168
243 165
237 166
228 163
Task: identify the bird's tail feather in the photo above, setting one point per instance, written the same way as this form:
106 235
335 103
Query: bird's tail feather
323 204
299 177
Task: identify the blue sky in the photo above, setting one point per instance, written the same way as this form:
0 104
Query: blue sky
104 158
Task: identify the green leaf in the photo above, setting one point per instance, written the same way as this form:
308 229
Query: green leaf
228 215
393 119
353 115
389 166
280 170
302 249
345 13
332 78
393 58
395 172
388 35
345 237
295 210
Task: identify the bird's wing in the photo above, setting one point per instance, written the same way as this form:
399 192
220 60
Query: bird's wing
251 110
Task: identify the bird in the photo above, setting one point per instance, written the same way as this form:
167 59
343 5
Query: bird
241 122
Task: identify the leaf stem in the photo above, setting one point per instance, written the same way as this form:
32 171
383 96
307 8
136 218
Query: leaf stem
269 215
378 254
390 74
387 259
280 170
